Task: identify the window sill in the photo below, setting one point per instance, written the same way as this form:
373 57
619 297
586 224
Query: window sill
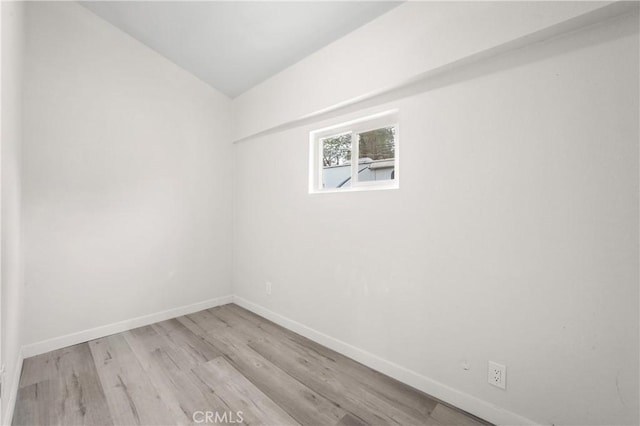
354 189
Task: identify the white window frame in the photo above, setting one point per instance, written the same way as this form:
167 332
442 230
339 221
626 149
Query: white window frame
360 125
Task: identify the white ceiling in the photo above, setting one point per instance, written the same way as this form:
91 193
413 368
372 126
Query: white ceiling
235 45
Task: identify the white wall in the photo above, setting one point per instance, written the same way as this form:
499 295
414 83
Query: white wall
11 260
126 178
513 237
412 39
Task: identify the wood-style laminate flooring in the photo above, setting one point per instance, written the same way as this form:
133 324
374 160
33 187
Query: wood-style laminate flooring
225 363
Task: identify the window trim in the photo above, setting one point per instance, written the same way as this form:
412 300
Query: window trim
360 125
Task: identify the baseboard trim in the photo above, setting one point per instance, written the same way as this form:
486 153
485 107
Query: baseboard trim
464 401
13 392
118 327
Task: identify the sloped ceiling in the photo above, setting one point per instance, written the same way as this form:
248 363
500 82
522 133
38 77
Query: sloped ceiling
235 45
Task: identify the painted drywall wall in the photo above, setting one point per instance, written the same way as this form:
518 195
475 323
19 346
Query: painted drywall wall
410 40
126 178
513 236
11 259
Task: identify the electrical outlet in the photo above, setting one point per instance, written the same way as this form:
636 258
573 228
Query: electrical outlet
267 288
497 375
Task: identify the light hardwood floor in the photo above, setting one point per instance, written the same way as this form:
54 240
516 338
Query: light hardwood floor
225 362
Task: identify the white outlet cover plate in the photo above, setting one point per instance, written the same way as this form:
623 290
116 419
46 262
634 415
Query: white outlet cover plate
497 375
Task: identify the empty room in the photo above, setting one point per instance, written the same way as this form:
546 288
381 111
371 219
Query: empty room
320 213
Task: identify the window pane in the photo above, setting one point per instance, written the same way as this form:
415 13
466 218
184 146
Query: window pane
336 161
376 154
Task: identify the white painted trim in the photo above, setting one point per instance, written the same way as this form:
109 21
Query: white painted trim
13 392
118 327
464 401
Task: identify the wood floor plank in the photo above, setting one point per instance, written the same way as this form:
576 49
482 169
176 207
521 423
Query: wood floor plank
195 346
153 341
303 404
216 362
446 416
191 396
55 364
71 393
171 369
241 395
33 404
37 369
347 394
204 320
350 420
132 398
327 378
383 386
158 377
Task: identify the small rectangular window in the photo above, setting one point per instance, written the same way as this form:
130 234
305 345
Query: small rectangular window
372 140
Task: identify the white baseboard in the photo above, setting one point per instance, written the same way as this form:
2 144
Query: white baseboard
118 327
464 401
13 392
